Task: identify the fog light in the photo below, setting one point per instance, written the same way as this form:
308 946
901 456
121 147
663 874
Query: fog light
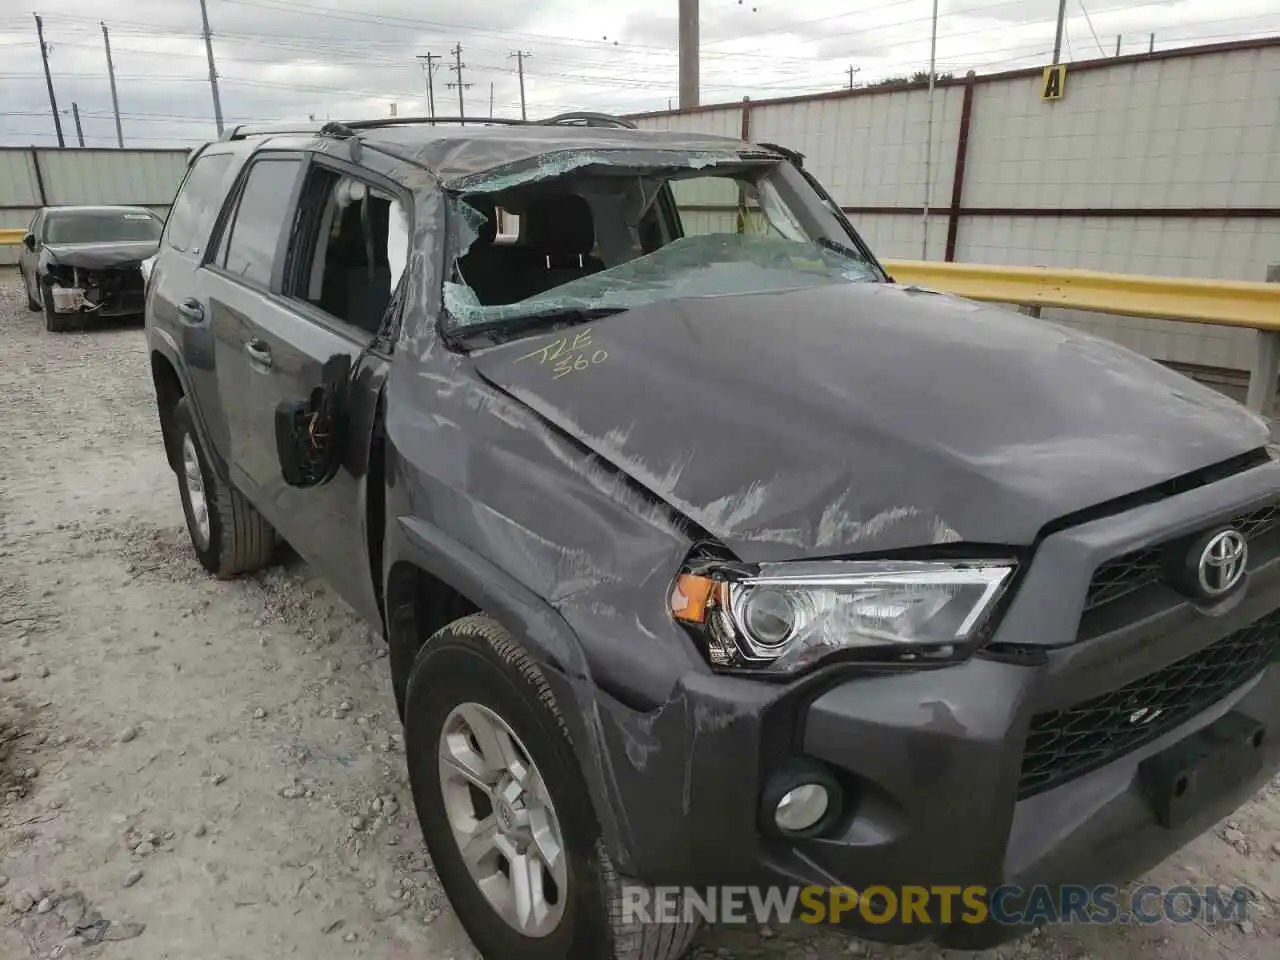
802 807
801 798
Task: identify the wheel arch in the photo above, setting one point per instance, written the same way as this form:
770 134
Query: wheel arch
423 562
169 390
167 363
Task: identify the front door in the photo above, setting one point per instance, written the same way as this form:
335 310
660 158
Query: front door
320 330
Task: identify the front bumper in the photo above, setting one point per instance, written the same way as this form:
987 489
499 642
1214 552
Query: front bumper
107 293
933 761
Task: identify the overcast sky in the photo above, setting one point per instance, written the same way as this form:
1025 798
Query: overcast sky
350 58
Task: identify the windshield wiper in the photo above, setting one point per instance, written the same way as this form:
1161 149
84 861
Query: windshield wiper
499 331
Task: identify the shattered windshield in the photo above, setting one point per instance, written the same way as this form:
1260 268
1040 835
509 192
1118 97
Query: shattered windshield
101 226
601 239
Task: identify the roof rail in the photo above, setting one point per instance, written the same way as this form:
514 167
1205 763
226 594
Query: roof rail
431 121
243 130
587 119
348 128
335 127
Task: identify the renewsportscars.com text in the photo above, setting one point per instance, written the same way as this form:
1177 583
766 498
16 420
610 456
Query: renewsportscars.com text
1011 905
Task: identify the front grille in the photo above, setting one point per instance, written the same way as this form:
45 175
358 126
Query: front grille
1133 571
1065 744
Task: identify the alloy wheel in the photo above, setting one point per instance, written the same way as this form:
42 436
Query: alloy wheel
503 820
195 489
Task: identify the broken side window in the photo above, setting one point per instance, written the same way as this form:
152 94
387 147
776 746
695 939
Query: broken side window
341 258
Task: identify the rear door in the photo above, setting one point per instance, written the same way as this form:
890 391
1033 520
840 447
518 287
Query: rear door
323 327
176 300
240 284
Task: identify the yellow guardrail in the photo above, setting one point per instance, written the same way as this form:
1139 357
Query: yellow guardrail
8 236
1228 302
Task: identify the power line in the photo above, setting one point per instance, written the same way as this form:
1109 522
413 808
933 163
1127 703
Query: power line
343 48
1089 21
792 81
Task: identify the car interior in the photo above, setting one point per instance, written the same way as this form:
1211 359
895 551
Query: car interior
556 243
570 227
350 271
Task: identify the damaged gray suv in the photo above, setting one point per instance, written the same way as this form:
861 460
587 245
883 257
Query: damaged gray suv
707 554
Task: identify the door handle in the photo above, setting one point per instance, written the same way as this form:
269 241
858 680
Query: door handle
259 353
191 311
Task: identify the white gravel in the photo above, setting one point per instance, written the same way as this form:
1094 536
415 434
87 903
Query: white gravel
154 715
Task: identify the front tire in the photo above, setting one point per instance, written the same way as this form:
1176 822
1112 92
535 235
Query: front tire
494 774
32 303
228 534
54 322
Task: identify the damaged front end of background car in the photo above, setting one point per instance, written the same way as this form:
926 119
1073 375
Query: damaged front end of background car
93 281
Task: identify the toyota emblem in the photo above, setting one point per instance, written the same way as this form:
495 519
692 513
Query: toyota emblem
1222 563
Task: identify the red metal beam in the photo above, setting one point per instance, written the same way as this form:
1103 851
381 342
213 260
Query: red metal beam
957 179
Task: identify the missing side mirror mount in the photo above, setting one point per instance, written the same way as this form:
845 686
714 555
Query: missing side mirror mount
309 432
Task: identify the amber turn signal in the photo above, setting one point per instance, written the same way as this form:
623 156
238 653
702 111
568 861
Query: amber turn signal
691 597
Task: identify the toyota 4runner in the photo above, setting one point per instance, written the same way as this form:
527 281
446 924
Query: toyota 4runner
705 552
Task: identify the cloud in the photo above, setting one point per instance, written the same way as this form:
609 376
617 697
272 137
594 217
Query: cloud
343 58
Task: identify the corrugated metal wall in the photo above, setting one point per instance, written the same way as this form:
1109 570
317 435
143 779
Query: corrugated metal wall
1164 165
146 178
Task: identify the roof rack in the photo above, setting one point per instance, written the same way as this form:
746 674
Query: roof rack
243 130
584 119
351 128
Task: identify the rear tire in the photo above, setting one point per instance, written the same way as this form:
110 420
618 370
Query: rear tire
228 534
471 674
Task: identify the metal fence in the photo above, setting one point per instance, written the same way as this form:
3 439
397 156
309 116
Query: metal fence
32 177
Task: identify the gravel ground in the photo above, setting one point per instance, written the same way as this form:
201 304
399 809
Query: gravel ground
212 770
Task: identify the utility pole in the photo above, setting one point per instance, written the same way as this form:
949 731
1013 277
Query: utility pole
1062 25
1118 36
48 79
490 99
213 71
689 84
520 55
111 74
852 71
457 68
429 67
1151 45
75 112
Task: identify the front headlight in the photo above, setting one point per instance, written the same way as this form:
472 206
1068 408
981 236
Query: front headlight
785 617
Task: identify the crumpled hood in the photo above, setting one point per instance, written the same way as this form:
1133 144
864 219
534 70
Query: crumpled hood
864 417
99 256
